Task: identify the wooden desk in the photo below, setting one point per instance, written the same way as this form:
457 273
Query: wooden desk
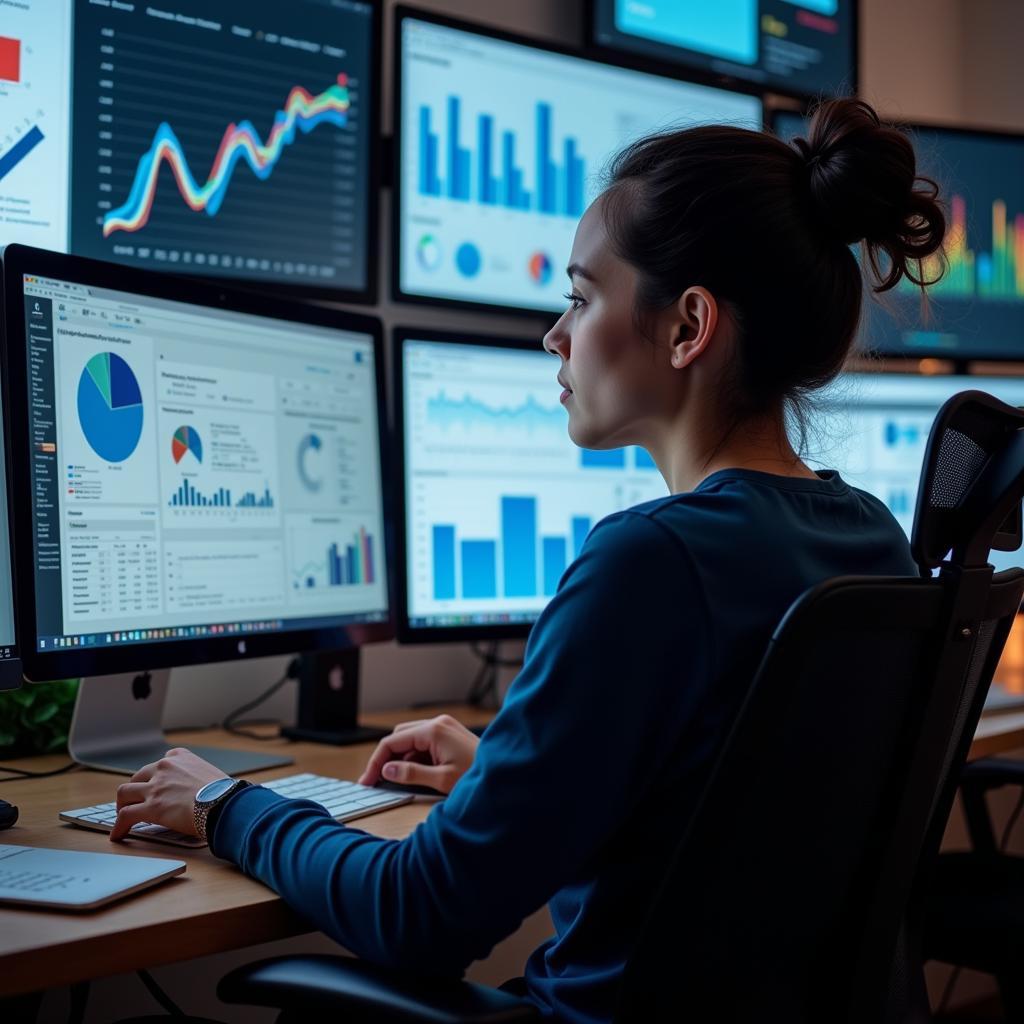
211 908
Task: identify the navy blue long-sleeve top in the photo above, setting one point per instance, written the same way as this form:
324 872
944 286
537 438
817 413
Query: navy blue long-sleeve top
582 784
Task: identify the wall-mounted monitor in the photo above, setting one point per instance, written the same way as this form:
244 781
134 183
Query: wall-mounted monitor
500 146
230 140
495 500
977 310
800 47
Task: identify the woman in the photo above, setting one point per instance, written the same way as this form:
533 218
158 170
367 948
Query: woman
713 288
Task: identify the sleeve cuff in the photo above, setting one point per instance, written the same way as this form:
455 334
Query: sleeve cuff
236 814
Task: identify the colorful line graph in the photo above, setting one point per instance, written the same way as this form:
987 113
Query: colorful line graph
998 274
301 112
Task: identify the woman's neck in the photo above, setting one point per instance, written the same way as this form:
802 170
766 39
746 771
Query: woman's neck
686 457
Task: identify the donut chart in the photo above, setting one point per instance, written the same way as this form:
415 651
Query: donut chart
110 410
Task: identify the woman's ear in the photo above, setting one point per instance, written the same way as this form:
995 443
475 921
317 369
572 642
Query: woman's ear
695 322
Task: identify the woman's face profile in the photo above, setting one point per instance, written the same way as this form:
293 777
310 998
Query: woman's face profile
612 375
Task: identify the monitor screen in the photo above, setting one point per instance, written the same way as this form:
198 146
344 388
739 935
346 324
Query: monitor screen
497 498
231 140
873 428
501 146
803 47
195 472
977 310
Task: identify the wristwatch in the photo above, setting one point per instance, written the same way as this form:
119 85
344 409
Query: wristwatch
212 795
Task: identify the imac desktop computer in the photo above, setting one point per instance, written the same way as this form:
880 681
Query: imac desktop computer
500 144
201 479
976 311
186 138
495 499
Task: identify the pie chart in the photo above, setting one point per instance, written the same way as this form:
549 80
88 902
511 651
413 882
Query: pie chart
110 407
185 440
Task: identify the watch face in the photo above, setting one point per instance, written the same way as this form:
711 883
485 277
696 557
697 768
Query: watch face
212 790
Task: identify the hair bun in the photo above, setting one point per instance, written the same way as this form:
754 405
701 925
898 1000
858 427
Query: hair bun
863 185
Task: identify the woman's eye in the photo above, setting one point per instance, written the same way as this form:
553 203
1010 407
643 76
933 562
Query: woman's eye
574 300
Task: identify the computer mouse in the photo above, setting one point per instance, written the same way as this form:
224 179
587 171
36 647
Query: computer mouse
408 787
8 814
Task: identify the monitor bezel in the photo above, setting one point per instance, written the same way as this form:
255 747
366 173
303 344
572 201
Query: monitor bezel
405 632
42 666
713 77
370 292
11 669
959 357
403 12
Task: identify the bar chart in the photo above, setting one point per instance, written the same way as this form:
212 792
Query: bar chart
492 174
189 496
342 564
520 563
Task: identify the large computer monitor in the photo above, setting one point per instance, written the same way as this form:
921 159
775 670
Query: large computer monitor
232 140
495 499
500 145
873 428
800 47
977 310
200 470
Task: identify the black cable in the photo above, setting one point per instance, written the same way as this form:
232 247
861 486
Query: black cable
23 774
1011 821
1004 841
165 1001
228 725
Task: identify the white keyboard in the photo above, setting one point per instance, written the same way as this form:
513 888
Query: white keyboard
343 801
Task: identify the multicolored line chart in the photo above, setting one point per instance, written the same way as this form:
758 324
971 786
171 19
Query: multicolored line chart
301 113
235 146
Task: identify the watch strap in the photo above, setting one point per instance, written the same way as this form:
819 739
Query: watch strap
205 814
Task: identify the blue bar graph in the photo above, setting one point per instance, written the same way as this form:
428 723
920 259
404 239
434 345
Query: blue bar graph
488 188
479 568
519 546
444 562
429 185
249 500
553 553
615 458
558 188
580 529
186 496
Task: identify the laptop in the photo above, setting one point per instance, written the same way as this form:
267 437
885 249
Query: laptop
73 880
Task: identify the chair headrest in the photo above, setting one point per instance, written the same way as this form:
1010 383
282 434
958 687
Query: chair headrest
972 482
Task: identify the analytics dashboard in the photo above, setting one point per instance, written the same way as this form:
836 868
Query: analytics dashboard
198 471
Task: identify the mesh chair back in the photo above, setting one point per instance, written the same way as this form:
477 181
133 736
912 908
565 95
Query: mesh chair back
788 894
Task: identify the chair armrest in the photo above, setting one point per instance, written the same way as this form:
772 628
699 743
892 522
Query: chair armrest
991 773
364 992
976 779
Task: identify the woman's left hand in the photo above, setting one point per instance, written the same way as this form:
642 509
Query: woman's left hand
164 793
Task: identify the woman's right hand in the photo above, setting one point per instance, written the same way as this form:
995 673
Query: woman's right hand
434 752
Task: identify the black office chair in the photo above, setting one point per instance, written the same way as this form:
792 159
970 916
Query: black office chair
792 893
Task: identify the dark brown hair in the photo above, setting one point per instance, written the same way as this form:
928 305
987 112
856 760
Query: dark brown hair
767 227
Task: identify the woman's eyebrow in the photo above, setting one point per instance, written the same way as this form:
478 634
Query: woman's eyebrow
578 270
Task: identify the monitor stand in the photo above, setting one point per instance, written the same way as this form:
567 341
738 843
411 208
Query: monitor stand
116 727
329 701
